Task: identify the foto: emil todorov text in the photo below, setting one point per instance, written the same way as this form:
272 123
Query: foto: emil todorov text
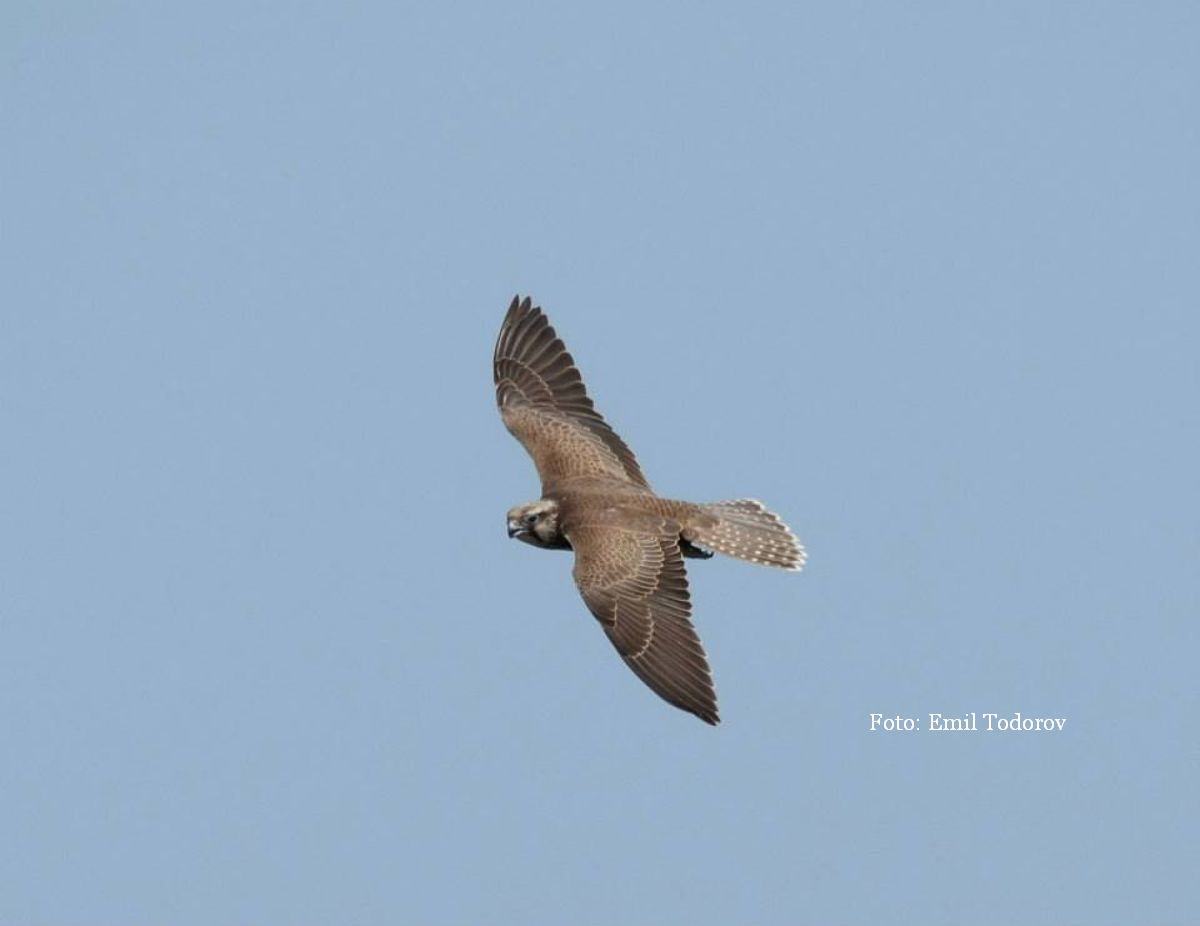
974 722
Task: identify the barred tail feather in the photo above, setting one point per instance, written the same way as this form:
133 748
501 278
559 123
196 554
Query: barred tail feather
745 529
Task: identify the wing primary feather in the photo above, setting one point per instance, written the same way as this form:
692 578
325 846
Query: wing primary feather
544 403
633 580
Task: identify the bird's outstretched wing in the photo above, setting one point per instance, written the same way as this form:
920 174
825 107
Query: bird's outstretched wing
544 405
632 579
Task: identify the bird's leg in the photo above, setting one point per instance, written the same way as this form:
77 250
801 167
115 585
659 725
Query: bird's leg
693 552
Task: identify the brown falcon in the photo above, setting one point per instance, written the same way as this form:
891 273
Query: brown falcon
629 543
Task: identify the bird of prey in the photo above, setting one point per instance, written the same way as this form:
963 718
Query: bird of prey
629 543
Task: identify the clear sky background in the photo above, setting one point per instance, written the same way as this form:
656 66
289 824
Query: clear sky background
923 277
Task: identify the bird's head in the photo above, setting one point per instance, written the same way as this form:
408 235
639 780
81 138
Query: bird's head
536 523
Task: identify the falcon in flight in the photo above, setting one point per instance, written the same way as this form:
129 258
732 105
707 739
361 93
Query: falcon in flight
629 543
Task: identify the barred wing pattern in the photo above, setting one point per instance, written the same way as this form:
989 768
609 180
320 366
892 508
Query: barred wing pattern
544 404
633 580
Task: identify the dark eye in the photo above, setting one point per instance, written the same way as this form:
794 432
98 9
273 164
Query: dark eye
531 518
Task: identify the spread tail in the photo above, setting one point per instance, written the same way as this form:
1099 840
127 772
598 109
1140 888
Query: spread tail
747 530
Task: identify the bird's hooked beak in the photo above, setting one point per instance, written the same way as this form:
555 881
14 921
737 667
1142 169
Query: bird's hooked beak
515 529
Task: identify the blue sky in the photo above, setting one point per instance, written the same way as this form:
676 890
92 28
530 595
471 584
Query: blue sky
922 277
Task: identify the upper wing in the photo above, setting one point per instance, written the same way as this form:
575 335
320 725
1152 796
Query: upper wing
543 403
633 581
